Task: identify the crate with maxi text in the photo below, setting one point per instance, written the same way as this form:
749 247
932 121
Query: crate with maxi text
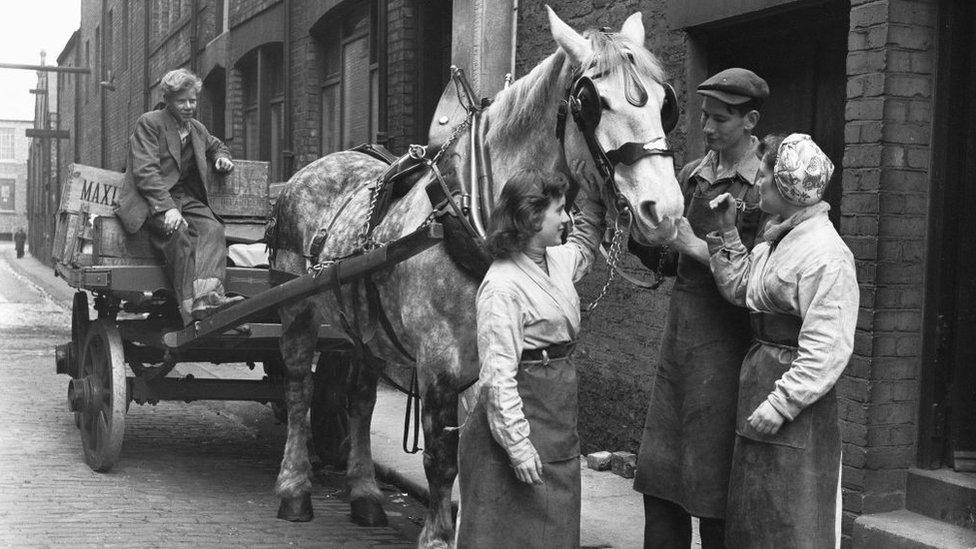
87 193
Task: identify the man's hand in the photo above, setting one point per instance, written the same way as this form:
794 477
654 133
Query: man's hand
530 470
765 419
223 165
172 220
725 204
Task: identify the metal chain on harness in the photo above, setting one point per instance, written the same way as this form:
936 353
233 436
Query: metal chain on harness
612 258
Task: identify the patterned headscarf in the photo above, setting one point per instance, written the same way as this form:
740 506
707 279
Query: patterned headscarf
802 170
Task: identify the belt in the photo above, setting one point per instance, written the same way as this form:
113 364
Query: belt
775 329
552 352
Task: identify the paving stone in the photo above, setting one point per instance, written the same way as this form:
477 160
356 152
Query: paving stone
189 475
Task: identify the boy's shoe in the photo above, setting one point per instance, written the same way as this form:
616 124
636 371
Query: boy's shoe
210 303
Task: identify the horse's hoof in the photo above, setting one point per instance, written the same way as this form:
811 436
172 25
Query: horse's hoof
296 509
368 512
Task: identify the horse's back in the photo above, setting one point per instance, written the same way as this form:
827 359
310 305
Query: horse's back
323 196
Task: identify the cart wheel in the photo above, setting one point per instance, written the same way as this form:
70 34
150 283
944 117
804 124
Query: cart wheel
329 417
80 321
99 395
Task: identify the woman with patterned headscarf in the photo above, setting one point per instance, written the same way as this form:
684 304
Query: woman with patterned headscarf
800 287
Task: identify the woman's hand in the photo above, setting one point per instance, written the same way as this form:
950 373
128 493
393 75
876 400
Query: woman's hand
725 204
530 470
172 220
223 165
765 419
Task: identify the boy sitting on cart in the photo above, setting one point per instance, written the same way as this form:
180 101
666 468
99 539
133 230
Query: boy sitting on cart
169 164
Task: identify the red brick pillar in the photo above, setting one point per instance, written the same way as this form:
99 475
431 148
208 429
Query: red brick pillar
884 221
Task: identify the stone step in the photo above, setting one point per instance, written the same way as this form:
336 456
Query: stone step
905 529
942 494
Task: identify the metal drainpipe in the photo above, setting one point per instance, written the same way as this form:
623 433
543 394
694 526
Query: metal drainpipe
194 35
287 154
515 12
102 97
145 57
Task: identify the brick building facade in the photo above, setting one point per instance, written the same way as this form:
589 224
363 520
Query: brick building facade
861 76
13 176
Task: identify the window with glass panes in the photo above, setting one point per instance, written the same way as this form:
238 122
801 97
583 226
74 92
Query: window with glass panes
264 95
6 143
350 80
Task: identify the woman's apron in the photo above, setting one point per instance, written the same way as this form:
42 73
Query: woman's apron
686 447
783 487
497 509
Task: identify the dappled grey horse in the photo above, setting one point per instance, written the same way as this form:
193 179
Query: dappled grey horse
428 300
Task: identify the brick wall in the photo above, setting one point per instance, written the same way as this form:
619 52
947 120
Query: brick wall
885 201
16 169
620 340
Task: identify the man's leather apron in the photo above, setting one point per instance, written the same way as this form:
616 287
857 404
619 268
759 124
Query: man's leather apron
783 487
498 510
686 446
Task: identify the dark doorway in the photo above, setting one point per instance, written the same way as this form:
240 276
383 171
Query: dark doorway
213 104
434 57
802 55
948 404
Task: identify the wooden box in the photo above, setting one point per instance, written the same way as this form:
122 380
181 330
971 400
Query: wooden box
112 245
91 190
72 240
241 193
87 193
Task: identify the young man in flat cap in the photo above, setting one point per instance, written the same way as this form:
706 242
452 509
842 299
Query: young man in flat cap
686 448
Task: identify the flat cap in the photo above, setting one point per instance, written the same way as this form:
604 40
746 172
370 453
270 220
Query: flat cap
735 86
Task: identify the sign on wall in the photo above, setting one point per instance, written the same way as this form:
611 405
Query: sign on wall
7 188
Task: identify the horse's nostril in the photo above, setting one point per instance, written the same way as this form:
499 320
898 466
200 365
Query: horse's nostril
647 210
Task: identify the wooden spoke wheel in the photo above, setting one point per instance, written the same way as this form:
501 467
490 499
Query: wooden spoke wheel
99 395
80 320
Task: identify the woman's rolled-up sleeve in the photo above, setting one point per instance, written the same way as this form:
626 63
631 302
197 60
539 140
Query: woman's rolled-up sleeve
731 263
500 329
588 227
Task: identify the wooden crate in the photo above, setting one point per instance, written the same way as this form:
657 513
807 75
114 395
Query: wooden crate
91 190
86 194
114 246
72 240
242 193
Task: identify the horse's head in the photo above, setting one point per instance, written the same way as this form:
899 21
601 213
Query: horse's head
619 94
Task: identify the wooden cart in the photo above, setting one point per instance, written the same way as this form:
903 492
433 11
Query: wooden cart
136 338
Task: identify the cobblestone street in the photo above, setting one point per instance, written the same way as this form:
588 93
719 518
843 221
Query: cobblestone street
192 475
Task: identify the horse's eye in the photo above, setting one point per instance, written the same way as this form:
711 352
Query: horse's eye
631 57
604 104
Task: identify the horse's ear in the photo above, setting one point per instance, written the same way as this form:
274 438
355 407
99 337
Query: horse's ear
633 29
572 42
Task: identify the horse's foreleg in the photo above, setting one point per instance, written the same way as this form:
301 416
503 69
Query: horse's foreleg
294 485
365 497
440 461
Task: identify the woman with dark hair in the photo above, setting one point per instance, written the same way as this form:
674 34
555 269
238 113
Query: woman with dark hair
800 287
519 448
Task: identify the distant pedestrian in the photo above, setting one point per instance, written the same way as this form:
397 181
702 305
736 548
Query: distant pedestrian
800 287
686 447
518 457
20 237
